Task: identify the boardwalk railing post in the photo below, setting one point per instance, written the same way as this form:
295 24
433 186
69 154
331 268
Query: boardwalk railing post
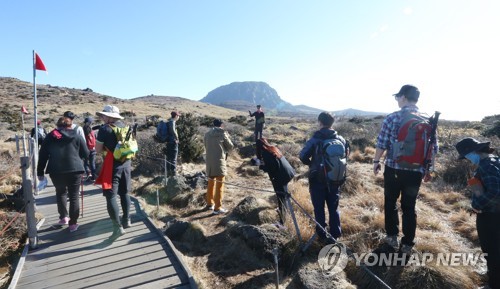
29 202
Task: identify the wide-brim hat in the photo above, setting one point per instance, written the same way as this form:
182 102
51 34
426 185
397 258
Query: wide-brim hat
110 111
468 145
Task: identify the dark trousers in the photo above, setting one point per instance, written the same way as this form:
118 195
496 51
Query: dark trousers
67 184
322 193
258 132
406 184
488 230
89 164
282 195
121 187
172 150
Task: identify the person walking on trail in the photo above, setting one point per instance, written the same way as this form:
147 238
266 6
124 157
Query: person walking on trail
280 172
89 163
217 145
322 188
485 186
172 147
399 180
61 156
115 175
260 121
42 133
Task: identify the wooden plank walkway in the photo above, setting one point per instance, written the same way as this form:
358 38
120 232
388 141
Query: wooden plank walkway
87 258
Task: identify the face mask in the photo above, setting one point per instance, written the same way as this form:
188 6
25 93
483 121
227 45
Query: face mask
473 158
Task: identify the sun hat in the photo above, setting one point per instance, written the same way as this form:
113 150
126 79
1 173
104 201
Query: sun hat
468 145
110 111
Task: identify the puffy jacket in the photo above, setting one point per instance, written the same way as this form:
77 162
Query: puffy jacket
279 169
217 145
63 150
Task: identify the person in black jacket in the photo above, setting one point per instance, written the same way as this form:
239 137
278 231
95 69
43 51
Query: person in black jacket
280 172
61 154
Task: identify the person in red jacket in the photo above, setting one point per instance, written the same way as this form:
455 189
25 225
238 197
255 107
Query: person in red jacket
89 163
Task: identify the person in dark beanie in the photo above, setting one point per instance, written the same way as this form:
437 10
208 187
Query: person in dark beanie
217 145
61 154
485 186
89 163
69 116
280 172
172 147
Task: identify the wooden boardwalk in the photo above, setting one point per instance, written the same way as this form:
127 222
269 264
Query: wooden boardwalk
87 258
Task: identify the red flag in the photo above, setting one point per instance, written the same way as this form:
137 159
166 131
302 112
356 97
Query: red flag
24 110
39 63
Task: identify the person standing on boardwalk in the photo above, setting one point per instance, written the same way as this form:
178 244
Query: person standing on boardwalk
115 176
89 162
399 180
485 186
172 147
42 133
280 173
260 121
322 189
217 145
61 154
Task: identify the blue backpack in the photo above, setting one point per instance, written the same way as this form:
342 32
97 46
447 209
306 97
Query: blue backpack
161 135
333 166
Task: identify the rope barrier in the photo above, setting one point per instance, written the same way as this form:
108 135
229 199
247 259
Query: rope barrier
12 221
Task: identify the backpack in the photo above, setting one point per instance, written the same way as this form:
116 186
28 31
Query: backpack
332 153
41 134
412 143
161 135
127 146
89 137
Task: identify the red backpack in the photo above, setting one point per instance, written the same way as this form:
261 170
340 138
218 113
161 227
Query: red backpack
90 140
412 144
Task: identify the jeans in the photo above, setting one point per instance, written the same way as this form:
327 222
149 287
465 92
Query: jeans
67 184
89 164
321 193
121 186
258 132
406 184
282 194
488 230
172 151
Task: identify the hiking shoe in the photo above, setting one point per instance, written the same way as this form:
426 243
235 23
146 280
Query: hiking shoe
117 232
220 211
63 221
73 228
209 207
392 241
405 249
126 223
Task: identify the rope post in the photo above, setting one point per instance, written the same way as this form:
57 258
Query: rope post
157 201
17 144
29 202
275 254
34 153
166 171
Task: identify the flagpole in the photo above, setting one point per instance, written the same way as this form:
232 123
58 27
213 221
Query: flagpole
24 133
34 99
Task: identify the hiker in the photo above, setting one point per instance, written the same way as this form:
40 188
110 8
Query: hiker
69 117
280 172
485 201
115 175
41 133
217 145
172 147
61 157
260 121
399 180
89 163
321 187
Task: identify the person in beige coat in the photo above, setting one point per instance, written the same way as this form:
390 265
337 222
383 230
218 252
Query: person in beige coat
217 145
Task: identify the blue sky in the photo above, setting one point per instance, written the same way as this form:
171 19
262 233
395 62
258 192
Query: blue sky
327 54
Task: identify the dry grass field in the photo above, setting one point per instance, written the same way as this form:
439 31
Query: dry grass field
235 250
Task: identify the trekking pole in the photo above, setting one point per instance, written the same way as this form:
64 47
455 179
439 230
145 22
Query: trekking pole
430 146
81 192
275 254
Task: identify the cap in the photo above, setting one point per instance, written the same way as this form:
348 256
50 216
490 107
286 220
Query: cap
175 113
110 111
410 91
88 120
218 122
468 145
69 114
38 122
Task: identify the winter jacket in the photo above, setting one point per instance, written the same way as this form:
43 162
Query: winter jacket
279 169
217 145
308 155
64 150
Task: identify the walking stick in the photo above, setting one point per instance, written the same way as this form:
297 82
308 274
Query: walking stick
81 193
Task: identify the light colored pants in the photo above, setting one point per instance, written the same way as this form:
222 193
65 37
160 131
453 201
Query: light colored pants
215 191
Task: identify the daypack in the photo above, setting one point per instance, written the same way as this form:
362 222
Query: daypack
127 146
162 132
333 160
89 137
410 148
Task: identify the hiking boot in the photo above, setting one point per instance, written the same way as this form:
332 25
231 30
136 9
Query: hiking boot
392 241
117 232
63 221
126 223
405 249
73 228
209 207
220 211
